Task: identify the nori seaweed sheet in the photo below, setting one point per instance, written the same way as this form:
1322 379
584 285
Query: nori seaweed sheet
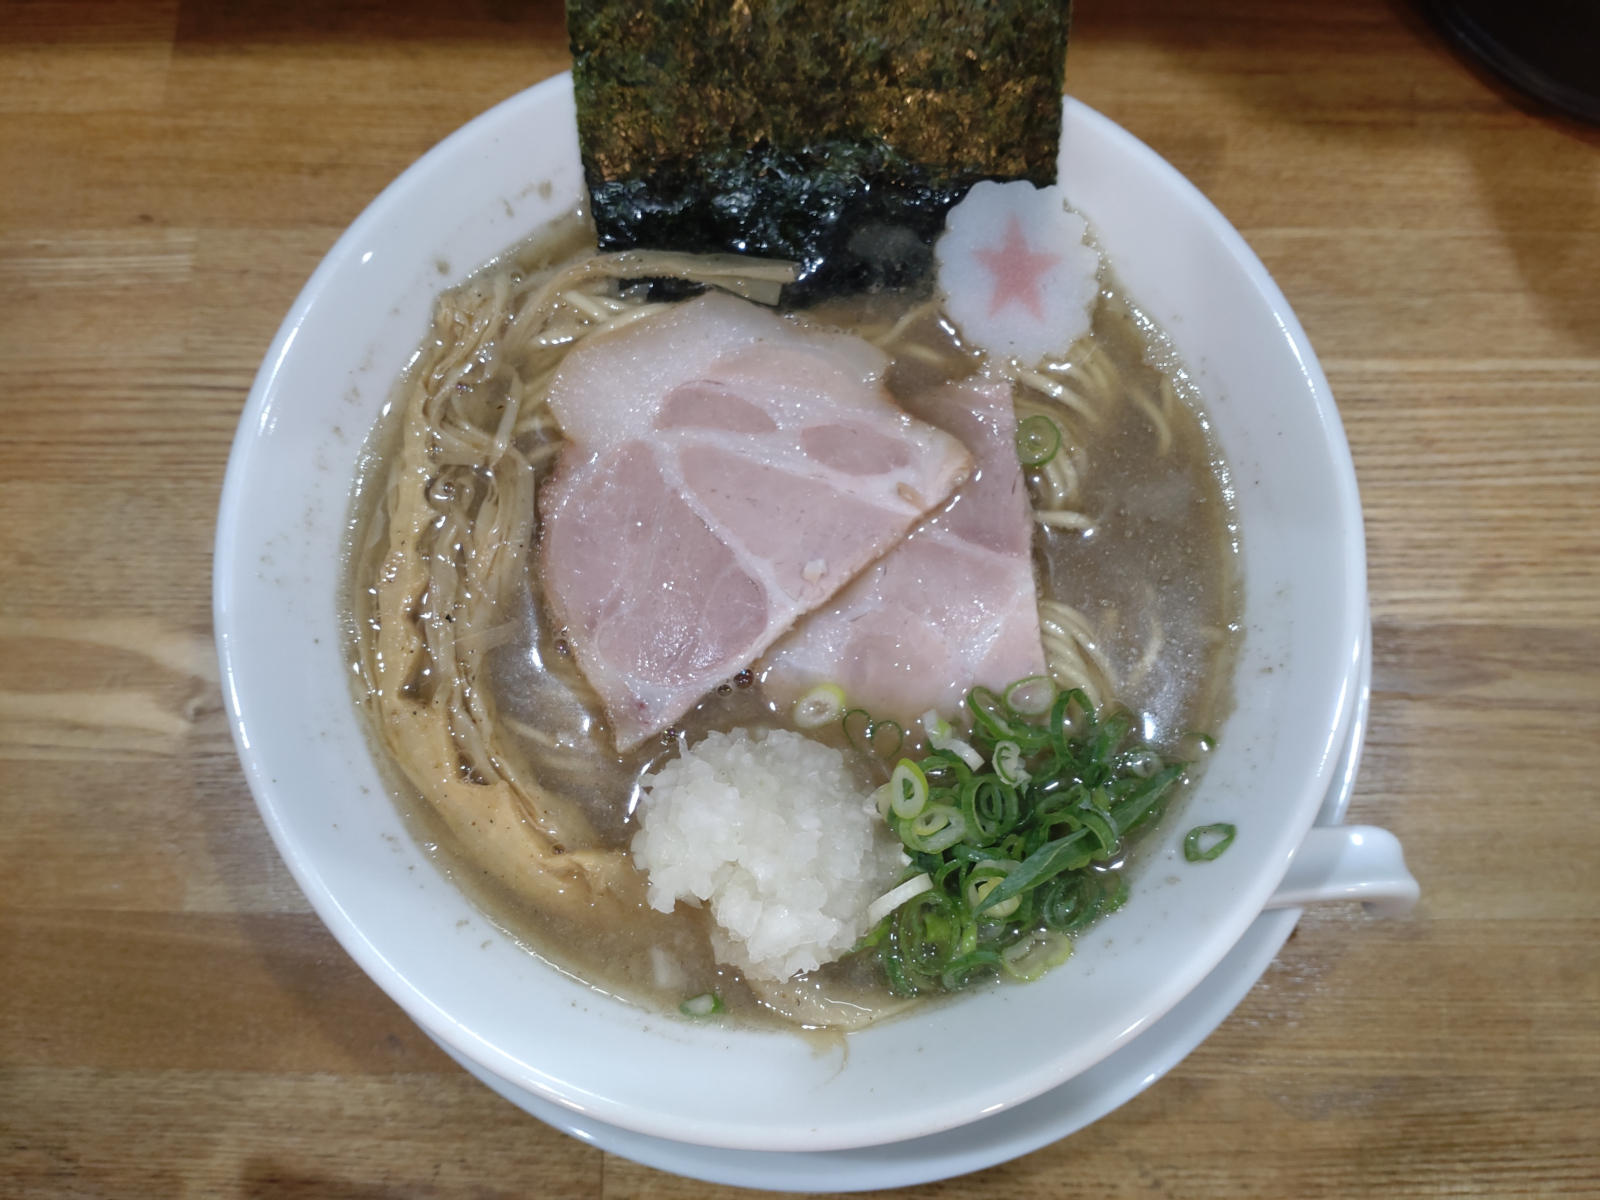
832 132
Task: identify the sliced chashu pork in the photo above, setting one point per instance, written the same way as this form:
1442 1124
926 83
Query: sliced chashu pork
954 606
726 472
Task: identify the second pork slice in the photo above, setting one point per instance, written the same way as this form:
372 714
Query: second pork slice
726 472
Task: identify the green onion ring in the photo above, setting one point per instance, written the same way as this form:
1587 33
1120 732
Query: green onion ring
988 711
707 1004
866 729
960 972
990 807
983 879
1007 759
908 789
896 896
934 829
822 705
927 934
1101 827
1038 439
1035 954
1222 831
872 738
1031 697
1063 854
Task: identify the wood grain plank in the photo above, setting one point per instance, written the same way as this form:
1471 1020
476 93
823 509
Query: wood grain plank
278 167
316 1135
241 992
179 834
173 1020
73 56
1480 503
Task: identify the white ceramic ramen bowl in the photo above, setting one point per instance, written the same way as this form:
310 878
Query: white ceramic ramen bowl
277 583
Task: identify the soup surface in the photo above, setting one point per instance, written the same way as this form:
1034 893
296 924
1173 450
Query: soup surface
501 755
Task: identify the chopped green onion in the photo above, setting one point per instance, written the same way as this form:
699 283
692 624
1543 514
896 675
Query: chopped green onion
940 737
707 1004
872 737
1014 834
1070 902
1007 760
1222 832
1144 801
822 705
960 972
988 714
1143 763
991 808
924 937
908 789
1038 439
1048 861
985 877
883 800
891 900
935 829
884 750
1031 697
1035 954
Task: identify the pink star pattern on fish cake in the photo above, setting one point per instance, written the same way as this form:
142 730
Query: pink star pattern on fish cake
1014 273
1016 270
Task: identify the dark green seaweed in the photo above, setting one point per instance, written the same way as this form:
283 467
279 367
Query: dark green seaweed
833 134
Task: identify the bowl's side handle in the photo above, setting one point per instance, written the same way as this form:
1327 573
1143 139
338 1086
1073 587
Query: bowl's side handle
1349 862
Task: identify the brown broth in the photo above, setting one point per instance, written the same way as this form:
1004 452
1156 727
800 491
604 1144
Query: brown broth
1155 577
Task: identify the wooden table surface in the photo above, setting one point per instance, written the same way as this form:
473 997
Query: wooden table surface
174 1021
